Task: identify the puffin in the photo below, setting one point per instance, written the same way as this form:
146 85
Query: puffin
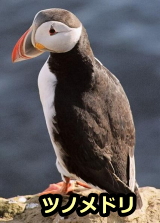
87 112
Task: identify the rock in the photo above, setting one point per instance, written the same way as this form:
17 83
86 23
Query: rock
26 209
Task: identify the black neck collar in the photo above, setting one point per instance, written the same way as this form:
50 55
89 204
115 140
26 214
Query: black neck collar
75 65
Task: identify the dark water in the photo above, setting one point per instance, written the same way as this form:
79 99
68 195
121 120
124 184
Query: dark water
125 37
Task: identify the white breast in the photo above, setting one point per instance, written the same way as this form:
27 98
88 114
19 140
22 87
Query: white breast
47 83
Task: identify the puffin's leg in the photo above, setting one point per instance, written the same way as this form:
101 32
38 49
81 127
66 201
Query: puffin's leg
63 187
60 188
83 184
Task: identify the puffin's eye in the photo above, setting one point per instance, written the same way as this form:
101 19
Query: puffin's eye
52 31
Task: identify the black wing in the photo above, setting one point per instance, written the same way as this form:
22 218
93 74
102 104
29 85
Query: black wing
97 133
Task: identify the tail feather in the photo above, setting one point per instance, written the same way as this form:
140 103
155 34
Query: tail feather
139 199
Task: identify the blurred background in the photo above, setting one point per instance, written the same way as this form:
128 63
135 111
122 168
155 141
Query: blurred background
125 37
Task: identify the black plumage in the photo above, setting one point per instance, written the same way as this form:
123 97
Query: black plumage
94 120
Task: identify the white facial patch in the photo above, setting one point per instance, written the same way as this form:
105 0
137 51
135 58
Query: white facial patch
64 39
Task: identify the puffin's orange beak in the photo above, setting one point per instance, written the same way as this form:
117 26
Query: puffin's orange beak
24 48
18 53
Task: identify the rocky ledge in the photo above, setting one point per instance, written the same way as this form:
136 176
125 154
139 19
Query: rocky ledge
27 209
